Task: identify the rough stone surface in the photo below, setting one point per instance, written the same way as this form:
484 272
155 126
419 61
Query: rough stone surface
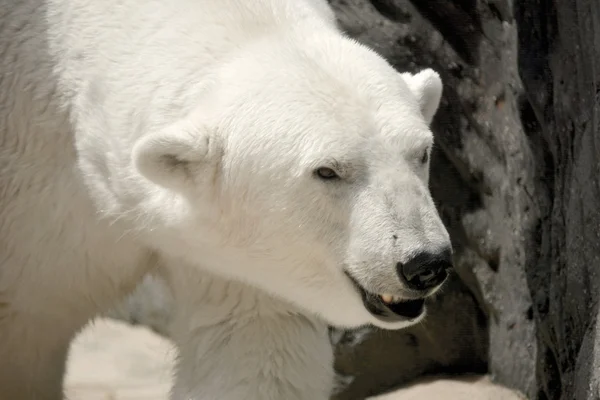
559 62
516 176
150 304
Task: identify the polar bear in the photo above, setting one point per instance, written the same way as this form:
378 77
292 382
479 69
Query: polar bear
271 169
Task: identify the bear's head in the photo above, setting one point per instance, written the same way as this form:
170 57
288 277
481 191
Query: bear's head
303 170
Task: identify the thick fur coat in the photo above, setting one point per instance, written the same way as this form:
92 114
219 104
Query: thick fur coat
272 170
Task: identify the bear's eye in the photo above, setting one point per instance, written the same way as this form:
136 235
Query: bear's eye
326 173
425 157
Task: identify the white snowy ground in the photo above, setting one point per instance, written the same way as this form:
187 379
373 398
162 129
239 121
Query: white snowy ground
112 360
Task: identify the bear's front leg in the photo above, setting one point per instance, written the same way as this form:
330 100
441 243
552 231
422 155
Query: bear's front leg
237 343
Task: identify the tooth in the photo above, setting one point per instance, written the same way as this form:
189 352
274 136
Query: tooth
387 298
396 299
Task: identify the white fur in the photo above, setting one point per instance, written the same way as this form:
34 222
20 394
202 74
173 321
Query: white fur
182 136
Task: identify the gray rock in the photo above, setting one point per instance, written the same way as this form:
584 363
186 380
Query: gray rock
559 54
150 304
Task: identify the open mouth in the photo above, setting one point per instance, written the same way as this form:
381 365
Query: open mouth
389 308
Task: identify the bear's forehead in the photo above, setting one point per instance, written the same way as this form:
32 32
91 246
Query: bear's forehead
318 115
328 99
329 116
351 102
329 73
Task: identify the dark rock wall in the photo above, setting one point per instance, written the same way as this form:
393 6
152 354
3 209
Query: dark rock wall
516 176
559 62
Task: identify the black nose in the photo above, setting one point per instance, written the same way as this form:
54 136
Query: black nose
426 270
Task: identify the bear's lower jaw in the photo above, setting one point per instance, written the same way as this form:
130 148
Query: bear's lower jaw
389 311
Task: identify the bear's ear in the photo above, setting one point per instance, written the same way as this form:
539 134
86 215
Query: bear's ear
427 88
178 157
